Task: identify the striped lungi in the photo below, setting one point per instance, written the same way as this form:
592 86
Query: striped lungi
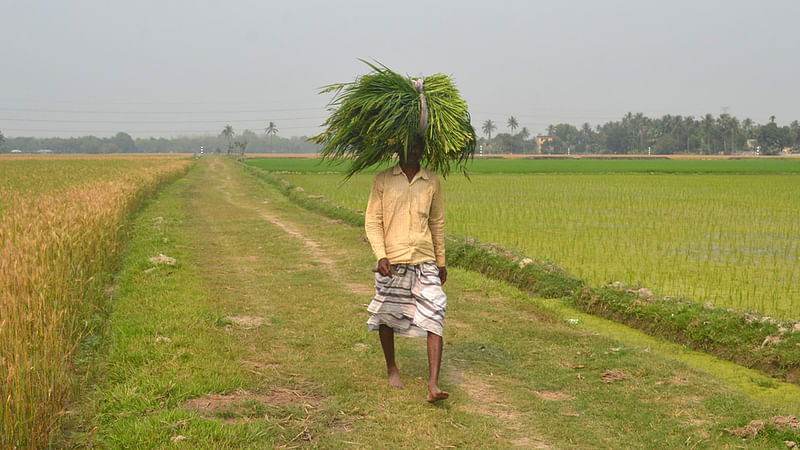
411 302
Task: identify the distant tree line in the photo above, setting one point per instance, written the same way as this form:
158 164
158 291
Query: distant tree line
124 143
638 134
119 143
633 134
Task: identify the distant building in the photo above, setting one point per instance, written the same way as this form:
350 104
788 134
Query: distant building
16 150
44 151
540 141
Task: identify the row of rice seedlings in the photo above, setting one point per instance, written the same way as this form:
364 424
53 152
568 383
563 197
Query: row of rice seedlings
727 239
571 165
56 247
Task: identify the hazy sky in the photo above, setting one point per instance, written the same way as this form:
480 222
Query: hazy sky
180 67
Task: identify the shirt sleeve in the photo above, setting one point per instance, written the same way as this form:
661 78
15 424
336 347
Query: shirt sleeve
373 219
436 223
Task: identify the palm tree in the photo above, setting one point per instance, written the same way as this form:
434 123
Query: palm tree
512 123
271 131
727 122
708 125
747 125
524 133
586 137
488 127
690 127
227 133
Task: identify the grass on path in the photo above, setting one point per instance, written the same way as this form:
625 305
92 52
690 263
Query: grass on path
257 338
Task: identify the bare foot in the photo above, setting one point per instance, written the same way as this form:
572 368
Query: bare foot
435 394
394 379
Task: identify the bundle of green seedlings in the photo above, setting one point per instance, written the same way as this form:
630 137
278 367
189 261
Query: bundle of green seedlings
378 115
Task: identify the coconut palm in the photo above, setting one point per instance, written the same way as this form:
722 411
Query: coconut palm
488 128
727 123
512 124
524 133
747 125
586 137
271 131
227 133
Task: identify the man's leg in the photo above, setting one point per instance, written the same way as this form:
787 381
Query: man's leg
434 362
387 343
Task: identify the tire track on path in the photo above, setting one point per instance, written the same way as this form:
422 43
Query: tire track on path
228 187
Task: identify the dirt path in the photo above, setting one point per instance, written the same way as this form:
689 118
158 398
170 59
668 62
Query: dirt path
484 392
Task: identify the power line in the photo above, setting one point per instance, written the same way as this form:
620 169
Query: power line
87 111
544 116
158 121
47 130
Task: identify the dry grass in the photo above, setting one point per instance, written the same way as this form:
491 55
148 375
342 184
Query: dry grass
56 246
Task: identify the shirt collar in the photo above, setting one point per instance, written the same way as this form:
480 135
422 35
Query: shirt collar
423 172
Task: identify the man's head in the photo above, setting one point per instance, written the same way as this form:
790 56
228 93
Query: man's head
415 150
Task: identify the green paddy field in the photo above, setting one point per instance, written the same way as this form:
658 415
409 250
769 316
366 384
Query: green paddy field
724 231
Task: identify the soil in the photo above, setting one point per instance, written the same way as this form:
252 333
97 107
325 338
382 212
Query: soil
246 321
552 396
237 406
611 376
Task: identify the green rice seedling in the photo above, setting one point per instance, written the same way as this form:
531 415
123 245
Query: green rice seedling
375 118
527 164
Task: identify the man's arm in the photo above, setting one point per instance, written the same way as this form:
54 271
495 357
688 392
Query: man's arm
373 225
436 224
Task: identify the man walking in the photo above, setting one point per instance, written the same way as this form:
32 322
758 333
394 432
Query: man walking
405 227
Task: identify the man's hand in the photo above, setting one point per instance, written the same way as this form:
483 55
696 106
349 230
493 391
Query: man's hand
443 274
384 268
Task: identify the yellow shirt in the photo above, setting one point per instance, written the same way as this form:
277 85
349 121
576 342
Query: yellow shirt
405 221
